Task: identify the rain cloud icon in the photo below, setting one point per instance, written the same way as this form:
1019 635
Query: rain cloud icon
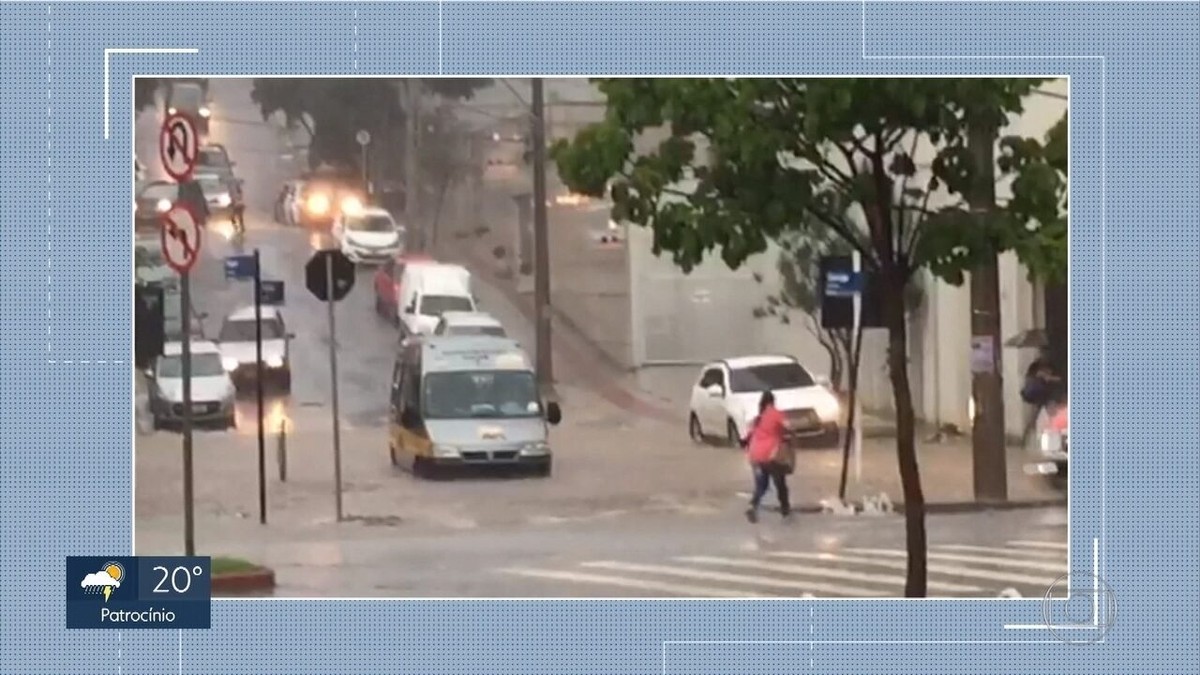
104 581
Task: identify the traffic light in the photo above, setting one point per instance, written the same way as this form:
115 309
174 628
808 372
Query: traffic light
148 323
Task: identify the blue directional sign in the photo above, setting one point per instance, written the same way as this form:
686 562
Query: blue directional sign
239 267
840 284
271 292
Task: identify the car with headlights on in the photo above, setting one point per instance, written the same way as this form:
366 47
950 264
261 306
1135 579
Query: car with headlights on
190 98
324 195
217 195
152 201
213 392
725 397
239 351
368 235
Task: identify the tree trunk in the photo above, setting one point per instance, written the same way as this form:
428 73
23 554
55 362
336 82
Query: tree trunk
910 477
854 362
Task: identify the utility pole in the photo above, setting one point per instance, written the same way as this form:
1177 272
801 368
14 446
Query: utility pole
987 433
541 238
412 114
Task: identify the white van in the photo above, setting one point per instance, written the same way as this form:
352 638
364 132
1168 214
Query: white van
429 289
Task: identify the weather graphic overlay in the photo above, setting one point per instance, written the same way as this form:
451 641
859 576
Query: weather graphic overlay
138 592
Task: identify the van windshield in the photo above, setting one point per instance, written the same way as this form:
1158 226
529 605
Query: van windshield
480 394
435 305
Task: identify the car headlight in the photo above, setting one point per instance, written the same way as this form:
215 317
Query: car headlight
224 200
1051 442
274 361
535 449
444 450
828 409
351 205
163 205
230 364
171 110
205 112
317 204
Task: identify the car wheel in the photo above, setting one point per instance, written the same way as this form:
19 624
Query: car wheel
543 471
694 431
732 437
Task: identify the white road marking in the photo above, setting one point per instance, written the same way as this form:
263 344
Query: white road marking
886 579
830 589
950 570
655 586
1041 544
994 560
1031 553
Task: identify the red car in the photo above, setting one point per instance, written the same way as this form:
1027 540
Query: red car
387 284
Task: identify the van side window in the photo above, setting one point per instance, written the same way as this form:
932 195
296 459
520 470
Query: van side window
712 376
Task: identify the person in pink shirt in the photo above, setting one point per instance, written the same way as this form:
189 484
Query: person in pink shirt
765 439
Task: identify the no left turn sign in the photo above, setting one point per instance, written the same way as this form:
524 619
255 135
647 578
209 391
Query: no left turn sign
179 146
180 238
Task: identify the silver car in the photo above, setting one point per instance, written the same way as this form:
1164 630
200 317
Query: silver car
213 392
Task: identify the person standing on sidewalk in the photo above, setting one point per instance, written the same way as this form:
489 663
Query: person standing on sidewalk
770 456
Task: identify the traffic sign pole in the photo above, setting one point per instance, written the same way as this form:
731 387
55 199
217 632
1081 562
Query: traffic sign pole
337 441
858 437
262 442
189 521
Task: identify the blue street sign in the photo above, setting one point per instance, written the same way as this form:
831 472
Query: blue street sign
839 284
271 292
239 267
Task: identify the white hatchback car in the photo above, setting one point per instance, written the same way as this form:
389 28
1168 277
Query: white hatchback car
469 323
725 399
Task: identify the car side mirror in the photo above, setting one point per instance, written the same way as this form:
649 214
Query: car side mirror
553 413
715 390
822 380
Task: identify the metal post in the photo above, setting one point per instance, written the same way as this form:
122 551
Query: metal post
281 451
366 184
412 112
541 244
189 522
258 385
858 415
990 471
337 441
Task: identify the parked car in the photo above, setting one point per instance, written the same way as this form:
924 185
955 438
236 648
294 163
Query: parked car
217 195
212 395
469 323
368 235
149 266
430 289
387 284
154 199
239 347
190 98
725 399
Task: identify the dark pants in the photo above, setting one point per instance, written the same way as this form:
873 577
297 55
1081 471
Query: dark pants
764 475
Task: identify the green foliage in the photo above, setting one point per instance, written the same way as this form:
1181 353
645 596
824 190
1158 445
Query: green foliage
144 91
334 109
1039 172
748 161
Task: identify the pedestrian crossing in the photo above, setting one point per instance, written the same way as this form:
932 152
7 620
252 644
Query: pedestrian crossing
955 570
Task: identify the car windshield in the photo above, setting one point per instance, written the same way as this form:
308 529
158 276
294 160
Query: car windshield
244 331
211 185
148 256
370 223
475 330
769 377
189 96
435 305
213 157
481 394
203 365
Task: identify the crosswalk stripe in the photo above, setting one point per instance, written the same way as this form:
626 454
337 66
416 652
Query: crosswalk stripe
1031 553
886 579
954 557
950 570
655 586
831 589
1057 546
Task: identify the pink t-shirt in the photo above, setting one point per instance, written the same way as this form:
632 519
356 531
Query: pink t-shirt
766 435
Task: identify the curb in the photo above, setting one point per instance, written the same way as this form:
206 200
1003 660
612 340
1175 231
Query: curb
942 508
240 583
609 390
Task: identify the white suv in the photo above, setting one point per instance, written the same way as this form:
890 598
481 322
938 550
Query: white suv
725 399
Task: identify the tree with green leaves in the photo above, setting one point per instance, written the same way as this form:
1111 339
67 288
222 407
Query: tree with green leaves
746 161
333 110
